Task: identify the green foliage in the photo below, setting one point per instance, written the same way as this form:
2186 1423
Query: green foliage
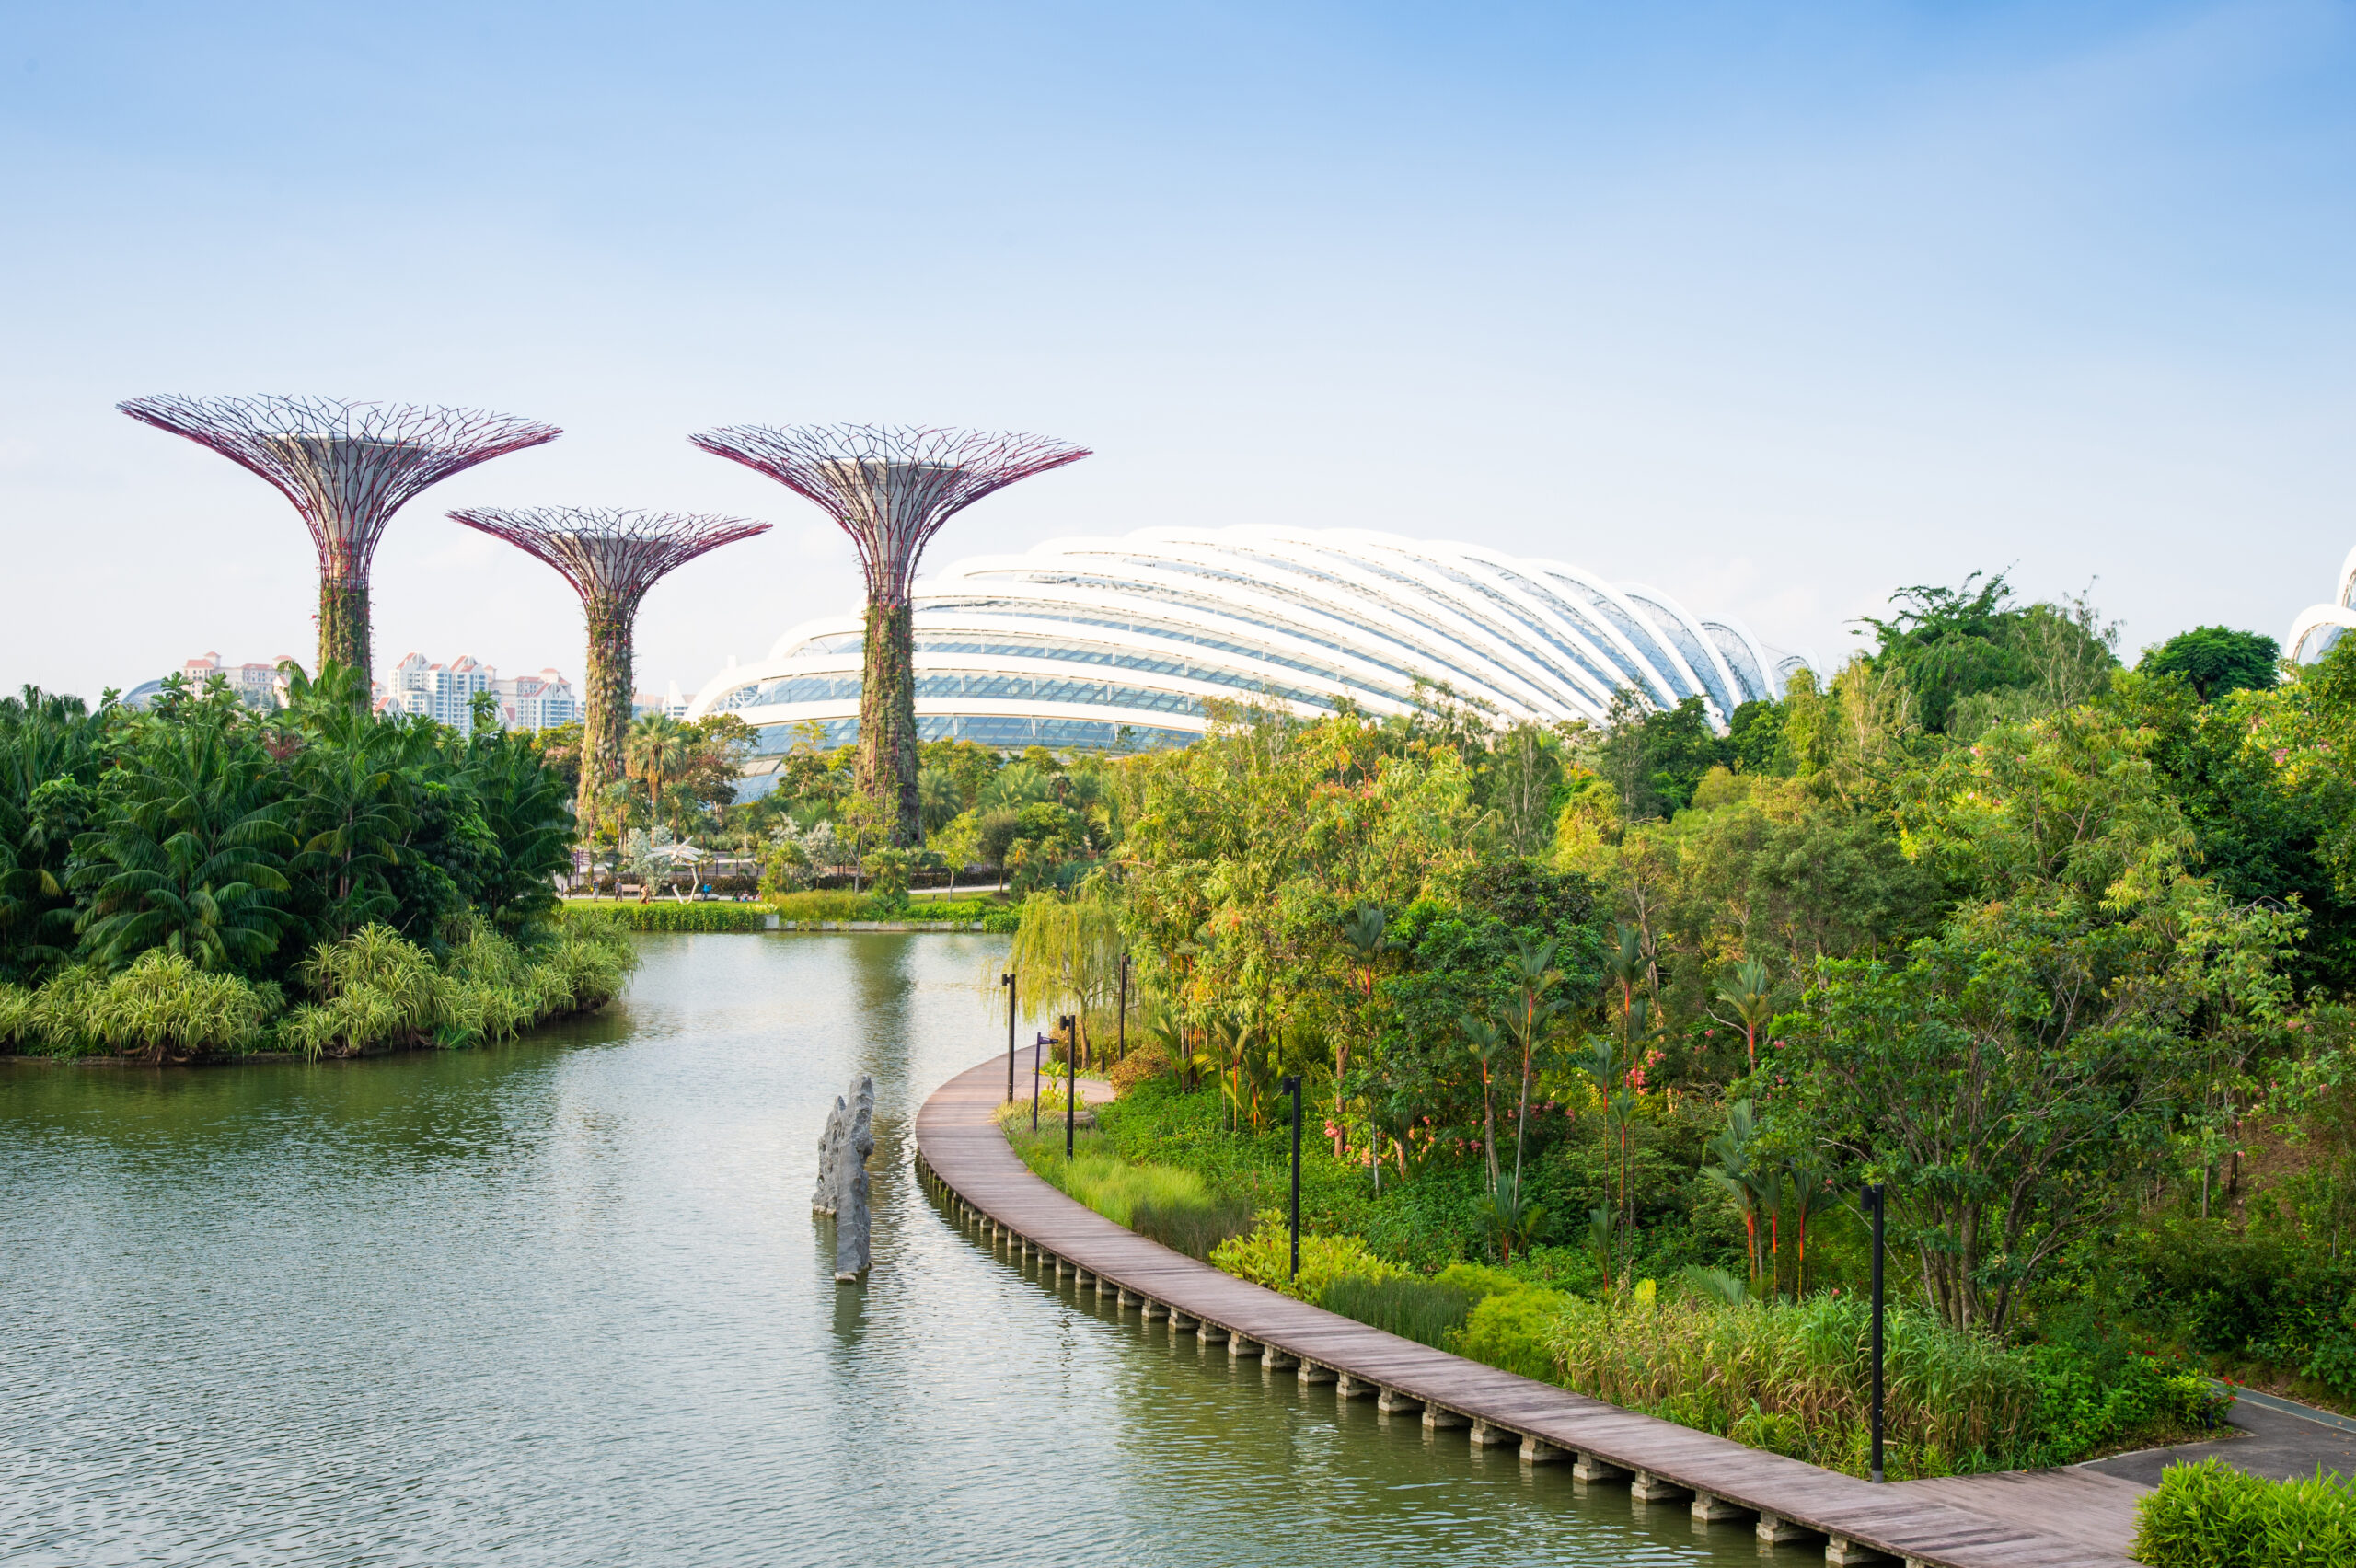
1265 1257
2216 661
163 1008
1794 1377
1163 1203
676 916
1424 1311
1514 1329
376 992
2212 1515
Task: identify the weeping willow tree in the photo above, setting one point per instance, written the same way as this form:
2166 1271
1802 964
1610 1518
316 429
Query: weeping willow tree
1067 959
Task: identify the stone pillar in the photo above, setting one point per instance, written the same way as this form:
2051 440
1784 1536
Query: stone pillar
1711 1509
1591 1469
1536 1452
1484 1436
1438 1418
1398 1401
1313 1373
1650 1488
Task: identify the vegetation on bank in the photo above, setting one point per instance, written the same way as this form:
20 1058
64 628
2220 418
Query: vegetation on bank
2212 1516
672 915
2057 950
203 881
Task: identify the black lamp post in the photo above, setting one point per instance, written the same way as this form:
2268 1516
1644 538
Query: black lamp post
1006 980
1038 1054
1292 1087
1072 1077
1123 1042
1876 1200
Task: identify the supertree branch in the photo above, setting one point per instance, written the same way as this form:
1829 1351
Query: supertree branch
611 557
891 488
348 467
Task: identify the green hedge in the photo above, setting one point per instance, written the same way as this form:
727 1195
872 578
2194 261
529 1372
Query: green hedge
2212 1516
672 915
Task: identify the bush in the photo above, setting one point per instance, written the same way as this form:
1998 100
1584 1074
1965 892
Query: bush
1141 1066
163 1008
1264 1256
820 906
2212 1516
1421 1309
377 992
1515 1329
675 917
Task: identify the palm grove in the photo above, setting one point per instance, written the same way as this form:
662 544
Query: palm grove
2054 948
203 879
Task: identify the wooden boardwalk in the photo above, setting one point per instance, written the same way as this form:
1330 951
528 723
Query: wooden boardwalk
967 1162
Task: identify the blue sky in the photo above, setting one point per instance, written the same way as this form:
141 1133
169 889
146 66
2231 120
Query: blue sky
1774 306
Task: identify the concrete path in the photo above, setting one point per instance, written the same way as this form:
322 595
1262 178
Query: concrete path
2273 1438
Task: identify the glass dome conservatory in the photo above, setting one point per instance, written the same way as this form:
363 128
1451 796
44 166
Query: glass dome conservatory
2321 626
1115 642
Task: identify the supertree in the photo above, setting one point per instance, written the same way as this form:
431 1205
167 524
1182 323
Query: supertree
611 557
347 468
891 488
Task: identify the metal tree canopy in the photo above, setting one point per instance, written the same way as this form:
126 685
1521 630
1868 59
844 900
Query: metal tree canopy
891 488
347 468
611 557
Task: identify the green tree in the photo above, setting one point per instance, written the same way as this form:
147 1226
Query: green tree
2216 661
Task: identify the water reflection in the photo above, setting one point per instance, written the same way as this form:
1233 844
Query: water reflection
564 1302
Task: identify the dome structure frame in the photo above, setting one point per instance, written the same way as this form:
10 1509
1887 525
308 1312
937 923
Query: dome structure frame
1113 640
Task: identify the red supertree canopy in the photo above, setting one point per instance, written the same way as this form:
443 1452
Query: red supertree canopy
889 487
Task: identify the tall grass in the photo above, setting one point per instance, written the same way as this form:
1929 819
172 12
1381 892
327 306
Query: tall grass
1160 1202
162 1008
1420 1309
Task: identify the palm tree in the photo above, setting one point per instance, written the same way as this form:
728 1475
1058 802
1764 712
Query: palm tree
661 750
1533 969
190 860
1752 1001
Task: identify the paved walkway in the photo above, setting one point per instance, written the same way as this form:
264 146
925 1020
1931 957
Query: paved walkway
2276 1438
967 1162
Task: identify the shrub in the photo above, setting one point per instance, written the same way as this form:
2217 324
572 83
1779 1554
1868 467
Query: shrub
1264 1256
2212 1516
674 916
1515 1329
820 906
162 1008
1139 1065
1421 1309
376 992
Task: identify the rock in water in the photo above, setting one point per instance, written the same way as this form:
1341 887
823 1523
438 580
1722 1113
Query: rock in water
830 1144
851 1255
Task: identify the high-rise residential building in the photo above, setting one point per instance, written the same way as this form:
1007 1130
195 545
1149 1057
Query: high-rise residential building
537 702
444 693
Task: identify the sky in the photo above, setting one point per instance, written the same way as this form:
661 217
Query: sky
1778 308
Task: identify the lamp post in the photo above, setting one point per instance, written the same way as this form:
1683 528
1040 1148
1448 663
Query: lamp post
1123 1046
1875 1198
1038 1054
1292 1087
1009 983
1072 1077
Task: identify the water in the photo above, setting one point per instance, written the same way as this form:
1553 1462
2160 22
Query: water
563 1302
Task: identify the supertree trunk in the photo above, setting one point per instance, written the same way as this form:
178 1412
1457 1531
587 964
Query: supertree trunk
887 721
890 488
344 631
604 726
611 557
